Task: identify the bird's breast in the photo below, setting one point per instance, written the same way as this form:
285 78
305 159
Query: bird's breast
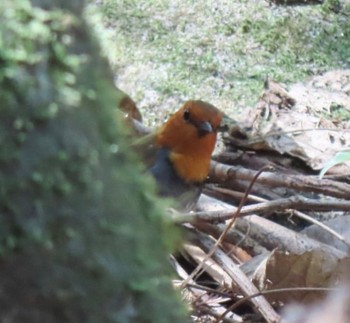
191 168
171 183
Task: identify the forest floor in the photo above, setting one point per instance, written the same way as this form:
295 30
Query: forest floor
165 52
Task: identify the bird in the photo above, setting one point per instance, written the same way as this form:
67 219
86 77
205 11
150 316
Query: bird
179 152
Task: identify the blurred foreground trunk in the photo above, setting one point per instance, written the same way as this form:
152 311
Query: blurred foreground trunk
80 240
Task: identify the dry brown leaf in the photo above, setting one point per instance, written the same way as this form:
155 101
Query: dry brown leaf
311 269
308 122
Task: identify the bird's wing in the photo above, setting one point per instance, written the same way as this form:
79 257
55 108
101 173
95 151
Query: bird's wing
146 148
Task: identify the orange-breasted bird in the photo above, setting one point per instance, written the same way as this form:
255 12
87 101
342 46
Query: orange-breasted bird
179 152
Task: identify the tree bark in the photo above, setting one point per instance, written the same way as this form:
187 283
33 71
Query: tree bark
80 239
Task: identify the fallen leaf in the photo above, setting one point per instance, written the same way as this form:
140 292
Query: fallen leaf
315 268
310 122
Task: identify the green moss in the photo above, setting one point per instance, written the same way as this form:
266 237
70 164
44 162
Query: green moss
82 238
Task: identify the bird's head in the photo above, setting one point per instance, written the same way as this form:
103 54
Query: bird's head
190 135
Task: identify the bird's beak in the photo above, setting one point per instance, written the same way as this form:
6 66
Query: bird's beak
205 128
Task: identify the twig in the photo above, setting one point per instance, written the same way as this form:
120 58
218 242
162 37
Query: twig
334 205
298 202
322 226
235 194
234 237
272 291
270 234
228 227
200 291
209 290
273 206
211 267
221 173
261 305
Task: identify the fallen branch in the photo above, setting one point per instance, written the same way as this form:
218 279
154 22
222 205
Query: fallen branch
233 236
294 202
269 234
222 173
228 226
334 206
268 207
272 235
279 290
199 296
240 279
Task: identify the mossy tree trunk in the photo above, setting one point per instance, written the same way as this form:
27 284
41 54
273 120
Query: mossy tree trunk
81 238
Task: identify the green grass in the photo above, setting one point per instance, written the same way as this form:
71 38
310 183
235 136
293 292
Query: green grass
164 52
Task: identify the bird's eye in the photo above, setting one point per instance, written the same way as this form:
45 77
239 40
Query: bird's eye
186 115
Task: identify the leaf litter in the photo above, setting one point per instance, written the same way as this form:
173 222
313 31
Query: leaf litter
296 132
